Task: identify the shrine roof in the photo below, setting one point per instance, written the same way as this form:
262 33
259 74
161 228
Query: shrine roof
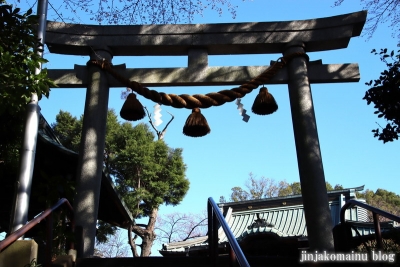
112 208
282 217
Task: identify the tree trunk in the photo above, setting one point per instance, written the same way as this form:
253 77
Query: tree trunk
150 235
132 242
147 234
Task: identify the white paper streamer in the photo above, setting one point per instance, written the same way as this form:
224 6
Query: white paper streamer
157 115
242 111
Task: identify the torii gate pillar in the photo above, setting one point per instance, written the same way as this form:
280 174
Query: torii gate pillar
313 35
312 178
91 153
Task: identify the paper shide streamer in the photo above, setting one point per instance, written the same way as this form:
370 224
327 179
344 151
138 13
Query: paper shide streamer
242 111
157 115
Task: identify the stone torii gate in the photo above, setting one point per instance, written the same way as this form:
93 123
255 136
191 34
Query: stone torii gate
197 42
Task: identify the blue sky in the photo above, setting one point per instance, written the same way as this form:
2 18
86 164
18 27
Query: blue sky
265 145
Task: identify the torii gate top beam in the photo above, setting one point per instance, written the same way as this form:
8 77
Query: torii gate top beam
199 41
218 39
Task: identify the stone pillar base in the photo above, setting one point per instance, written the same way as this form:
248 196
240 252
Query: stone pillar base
20 253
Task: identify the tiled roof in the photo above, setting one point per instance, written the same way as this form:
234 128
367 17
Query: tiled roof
198 241
282 216
284 222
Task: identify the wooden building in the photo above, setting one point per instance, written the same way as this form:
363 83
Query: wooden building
274 226
55 169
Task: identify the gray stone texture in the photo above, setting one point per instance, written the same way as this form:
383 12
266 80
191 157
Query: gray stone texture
197 42
19 253
218 39
309 160
162 77
90 165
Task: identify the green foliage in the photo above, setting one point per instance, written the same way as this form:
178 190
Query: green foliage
19 60
382 199
238 194
18 81
385 95
390 242
147 173
338 187
68 130
104 230
50 190
296 188
53 188
328 186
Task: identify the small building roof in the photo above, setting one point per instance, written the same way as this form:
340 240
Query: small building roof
112 208
54 160
282 217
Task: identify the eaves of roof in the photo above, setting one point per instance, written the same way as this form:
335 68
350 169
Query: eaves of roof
112 208
283 201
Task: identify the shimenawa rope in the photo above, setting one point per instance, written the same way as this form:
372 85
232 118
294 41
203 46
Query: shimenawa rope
198 100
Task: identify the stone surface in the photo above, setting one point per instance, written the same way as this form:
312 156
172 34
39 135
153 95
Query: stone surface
198 41
218 39
19 253
309 159
162 77
90 161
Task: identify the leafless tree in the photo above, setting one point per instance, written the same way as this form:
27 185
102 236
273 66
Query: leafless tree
136 11
262 187
115 247
160 134
180 226
380 11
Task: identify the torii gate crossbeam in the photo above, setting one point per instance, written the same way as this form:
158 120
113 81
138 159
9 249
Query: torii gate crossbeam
198 41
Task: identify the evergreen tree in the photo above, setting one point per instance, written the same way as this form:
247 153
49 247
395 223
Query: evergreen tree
18 81
385 95
382 199
147 173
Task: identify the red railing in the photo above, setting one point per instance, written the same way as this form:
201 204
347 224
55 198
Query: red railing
47 214
375 214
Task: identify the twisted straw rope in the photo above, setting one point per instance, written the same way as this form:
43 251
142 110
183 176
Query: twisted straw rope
198 100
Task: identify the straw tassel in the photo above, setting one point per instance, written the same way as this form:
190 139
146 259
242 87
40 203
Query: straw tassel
132 110
196 124
264 103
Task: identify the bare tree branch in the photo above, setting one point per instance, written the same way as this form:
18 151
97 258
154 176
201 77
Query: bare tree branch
160 134
201 223
151 121
165 128
380 11
140 11
115 247
132 241
180 227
